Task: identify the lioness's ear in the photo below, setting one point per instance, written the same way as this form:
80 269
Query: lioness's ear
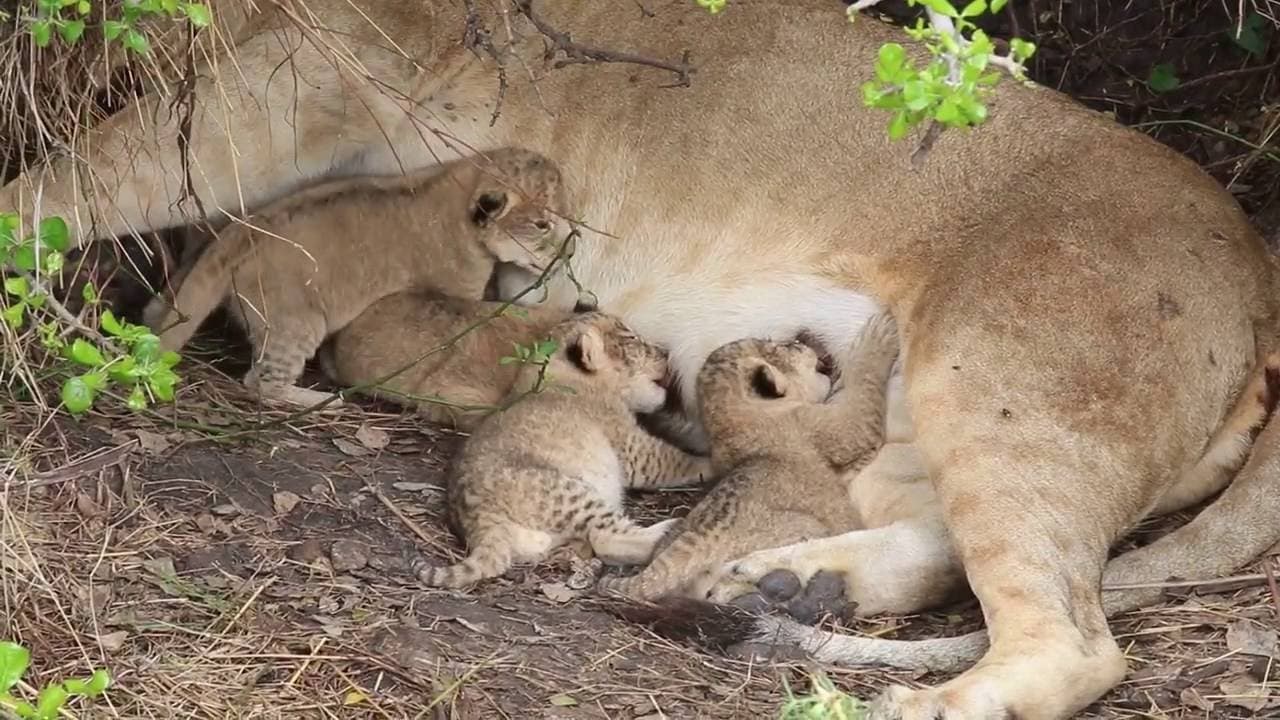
587 351
488 206
768 383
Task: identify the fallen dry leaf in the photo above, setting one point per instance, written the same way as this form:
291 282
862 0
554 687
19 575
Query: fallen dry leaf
1246 637
1192 698
87 506
111 642
153 443
1243 692
349 448
372 437
285 501
411 486
558 592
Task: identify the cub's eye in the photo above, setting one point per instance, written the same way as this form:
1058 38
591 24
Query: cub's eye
542 225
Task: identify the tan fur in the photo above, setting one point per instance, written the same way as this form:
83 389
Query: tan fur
459 384
306 266
779 447
551 469
1094 284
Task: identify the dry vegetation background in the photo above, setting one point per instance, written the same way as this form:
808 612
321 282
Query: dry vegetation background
223 561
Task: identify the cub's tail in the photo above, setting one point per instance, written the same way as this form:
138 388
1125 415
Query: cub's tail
489 557
203 289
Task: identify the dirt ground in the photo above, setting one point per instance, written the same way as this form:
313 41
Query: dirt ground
266 575
223 561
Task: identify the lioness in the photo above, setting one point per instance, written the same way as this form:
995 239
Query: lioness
1047 269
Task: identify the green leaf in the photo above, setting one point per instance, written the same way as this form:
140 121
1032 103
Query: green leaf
25 710
77 396
1021 49
137 400
997 5
112 29
147 348
1162 78
9 224
136 42
89 293
76 686
52 262
51 699
99 682
13 664
949 112
898 126
86 353
110 324
199 16
14 313
95 381
161 383
83 7
17 286
890 62
974 9
42 32
125 370
53 233
1254 34
25 258
71 30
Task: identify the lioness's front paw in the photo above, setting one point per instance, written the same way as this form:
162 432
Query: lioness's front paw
767 570
781 589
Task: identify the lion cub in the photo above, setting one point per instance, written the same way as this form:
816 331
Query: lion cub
551 468
304 267
459 384
781 449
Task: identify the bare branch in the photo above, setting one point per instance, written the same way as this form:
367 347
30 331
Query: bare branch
577 53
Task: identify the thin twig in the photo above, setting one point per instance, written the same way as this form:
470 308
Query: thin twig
576 53
414 527
1271 584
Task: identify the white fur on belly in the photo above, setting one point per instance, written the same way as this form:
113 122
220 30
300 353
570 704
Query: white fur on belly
691 322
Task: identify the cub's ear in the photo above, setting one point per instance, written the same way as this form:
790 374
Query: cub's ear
768 382
488 207
587 351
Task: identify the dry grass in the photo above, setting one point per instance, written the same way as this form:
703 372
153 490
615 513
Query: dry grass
263 573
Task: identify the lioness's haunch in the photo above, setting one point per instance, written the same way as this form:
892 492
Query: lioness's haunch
1047 270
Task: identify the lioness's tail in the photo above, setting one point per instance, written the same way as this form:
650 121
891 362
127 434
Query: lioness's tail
719 627
204 287
488 557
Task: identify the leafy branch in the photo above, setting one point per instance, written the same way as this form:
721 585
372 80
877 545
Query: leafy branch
132 359
50 700
67 19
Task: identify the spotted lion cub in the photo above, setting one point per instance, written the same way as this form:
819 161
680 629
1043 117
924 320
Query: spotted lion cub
781 447
304 267
551 468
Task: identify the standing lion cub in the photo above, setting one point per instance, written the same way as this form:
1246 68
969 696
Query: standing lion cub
781 449
304 267
552 468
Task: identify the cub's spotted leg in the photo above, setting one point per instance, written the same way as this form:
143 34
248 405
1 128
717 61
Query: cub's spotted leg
625 543
650 462
903 562
282 349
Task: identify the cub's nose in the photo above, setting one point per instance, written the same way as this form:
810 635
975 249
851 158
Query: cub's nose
826 363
